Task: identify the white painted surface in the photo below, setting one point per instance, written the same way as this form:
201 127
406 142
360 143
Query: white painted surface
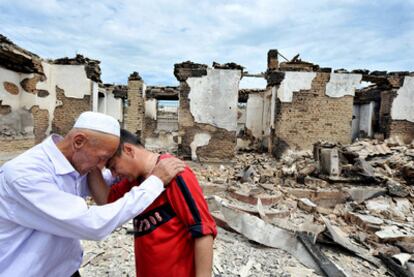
294 82
114 107
340 85
254 114
366 115
273 107
19 100
164 141
355 121
151 108
403 105
24 100
200 139
71 78
267 112
213 98
95 97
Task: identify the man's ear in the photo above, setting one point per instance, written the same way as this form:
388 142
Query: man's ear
79 140
128 149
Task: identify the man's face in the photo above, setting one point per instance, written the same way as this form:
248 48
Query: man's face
122 166
95 153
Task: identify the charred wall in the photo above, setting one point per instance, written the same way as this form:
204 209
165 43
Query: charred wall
208 111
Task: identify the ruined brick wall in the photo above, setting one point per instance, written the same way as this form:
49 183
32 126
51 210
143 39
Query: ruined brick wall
403 129
221 145
160 126
207 112
402 110
312 116
66 114
134 113
150 120
41 123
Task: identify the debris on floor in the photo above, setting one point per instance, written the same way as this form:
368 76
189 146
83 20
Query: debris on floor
343 210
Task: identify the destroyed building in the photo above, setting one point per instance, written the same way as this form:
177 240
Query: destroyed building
316 158
210 117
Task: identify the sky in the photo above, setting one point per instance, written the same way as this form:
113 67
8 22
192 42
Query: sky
151 36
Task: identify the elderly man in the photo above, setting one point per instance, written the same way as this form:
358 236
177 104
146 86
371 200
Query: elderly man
43 214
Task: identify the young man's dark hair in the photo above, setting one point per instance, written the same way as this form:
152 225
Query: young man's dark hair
127 137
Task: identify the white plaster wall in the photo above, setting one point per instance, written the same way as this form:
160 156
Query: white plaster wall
95 96
340 85
355 121
294 82
403 105
273 107
114 107
151 108
22 102
213 98
200 139
164 141
71 78
254 114
267 112
102 104
365 121
15 101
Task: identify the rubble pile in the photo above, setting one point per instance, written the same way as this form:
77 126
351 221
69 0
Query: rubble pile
356 199
341 210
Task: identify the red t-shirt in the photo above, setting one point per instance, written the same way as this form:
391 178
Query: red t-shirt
165 231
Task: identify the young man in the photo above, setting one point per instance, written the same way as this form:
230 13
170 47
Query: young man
174 235
43 213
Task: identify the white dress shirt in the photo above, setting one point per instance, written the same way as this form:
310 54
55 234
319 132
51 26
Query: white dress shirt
43 214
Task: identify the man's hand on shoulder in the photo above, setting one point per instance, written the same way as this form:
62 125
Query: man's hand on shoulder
168 168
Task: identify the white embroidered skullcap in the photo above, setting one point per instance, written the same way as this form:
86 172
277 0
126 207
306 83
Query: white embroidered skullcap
98 122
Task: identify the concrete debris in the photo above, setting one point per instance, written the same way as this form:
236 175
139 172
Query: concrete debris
327 266
396 189
306 205
394 233
362 193
402 258
395 267
367 222
342 239
352 217
269 235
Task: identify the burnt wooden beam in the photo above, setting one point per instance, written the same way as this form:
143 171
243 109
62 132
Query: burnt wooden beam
328 267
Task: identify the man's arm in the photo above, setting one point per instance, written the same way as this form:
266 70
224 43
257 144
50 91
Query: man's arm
100 192
98 187
37 203
203 251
